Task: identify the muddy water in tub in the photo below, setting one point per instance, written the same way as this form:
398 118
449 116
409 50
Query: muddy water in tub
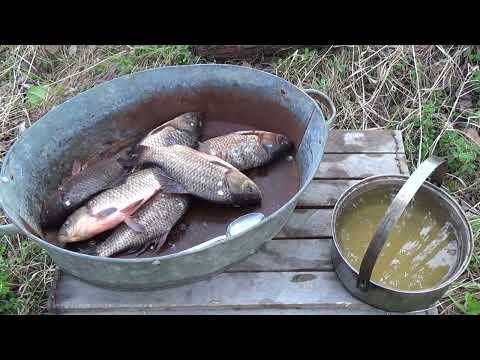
225 113
420 252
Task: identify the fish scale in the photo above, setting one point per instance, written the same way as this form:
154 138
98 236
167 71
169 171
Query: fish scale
76 189
167 135
189 171
181 163
242 151
137 185
157 216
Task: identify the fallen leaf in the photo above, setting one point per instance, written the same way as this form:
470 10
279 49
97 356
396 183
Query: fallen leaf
37 94
473 134
72 50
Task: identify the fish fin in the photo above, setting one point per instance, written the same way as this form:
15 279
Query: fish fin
159 241
89 249
169 185
246 132
217 161
139 248
203 147
229 168
76 168
134 225
159 128
134 157
122 179
132 207
127 164
106 212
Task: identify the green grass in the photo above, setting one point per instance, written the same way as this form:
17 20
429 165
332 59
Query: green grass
26 271
461 153
473 56
8 298
154 55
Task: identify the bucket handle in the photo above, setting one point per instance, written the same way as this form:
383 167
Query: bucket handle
323 99
436 168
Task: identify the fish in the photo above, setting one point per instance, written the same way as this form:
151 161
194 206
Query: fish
111 207
188 171
158 216
247 149
101 173
185 130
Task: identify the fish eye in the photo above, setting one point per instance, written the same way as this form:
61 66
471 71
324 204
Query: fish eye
192 124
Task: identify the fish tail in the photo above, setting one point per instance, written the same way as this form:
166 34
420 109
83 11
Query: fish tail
89 249
139 155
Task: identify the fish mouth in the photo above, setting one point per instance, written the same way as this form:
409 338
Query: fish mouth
65 239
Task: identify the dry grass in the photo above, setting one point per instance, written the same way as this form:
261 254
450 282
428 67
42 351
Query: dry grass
431 93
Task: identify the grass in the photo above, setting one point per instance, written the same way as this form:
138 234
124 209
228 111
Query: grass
430 93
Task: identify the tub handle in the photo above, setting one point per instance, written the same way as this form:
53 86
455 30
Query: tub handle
435 167
324 100
9 229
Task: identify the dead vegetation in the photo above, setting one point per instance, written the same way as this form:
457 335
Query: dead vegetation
431 93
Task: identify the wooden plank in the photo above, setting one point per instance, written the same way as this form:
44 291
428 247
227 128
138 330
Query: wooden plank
288 255
315 310
370 141
308 223
321 193
274 290
359 166
270 292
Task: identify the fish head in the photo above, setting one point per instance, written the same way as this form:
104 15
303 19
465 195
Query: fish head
78 226
54 210
244 192
275 144
191 122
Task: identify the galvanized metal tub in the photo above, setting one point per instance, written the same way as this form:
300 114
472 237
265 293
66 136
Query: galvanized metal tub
43 155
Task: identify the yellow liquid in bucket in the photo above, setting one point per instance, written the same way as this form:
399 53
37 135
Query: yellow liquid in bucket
421 250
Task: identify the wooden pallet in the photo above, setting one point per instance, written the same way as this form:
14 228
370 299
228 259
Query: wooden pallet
291 274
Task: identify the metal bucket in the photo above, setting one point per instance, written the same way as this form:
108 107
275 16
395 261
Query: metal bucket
358 282
43 155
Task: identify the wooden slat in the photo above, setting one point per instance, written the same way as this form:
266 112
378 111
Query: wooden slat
313 292
256 311
308 223
371 141
289 255
274 290
359 166
321 193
